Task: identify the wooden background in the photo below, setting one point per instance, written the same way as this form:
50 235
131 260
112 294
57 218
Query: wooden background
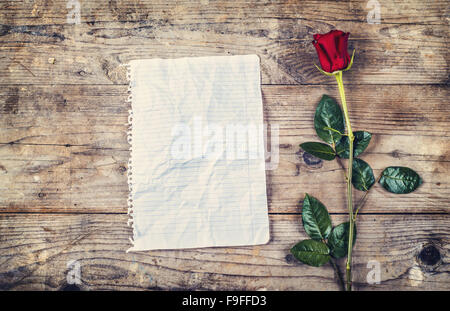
64 153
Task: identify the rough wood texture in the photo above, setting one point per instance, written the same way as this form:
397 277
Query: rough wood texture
60 145
409 46
63 148
35 256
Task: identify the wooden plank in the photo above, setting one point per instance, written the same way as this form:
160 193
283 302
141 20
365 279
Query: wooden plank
384 61
408 47
34 256
64 149
406 12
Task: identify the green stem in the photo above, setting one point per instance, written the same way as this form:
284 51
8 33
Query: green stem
338 274
361 202
349 181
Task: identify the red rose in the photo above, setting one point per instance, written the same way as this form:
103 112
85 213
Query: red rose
332 50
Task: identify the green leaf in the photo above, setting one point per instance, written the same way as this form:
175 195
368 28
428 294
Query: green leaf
338 240
320 150
329 120
362 176
311 252
362 140
398 179
315 218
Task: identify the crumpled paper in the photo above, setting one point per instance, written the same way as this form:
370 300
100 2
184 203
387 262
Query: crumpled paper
196 173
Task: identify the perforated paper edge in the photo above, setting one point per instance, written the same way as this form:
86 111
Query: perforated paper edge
129 102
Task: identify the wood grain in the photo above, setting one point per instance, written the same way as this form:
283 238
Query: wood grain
60 145
138 11
410 46
35 254
64 153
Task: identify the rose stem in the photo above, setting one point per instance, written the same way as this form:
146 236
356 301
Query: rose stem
349 181
338 274
361 202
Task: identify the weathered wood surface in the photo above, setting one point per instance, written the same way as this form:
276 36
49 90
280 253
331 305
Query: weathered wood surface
63 148
35 255
409 46
60 145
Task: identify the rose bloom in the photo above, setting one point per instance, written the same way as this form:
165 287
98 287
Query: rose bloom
332 50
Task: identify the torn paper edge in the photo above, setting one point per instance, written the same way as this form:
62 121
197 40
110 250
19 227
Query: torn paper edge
130 211
129 101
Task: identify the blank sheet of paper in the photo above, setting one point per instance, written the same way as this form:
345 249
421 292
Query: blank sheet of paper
196 173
